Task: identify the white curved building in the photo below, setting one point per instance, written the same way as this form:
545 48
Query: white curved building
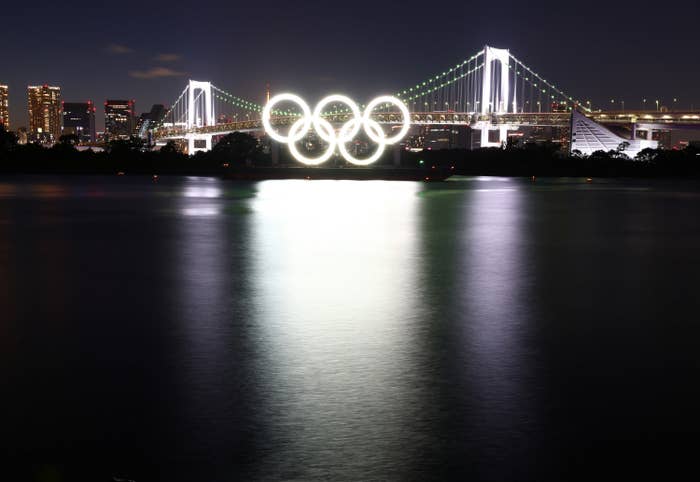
588 136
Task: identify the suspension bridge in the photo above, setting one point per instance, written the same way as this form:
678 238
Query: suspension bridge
491 91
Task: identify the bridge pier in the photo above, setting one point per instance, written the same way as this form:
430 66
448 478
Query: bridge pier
199 143
502 135
275 152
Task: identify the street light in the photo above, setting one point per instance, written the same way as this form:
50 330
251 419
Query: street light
657 104
644 101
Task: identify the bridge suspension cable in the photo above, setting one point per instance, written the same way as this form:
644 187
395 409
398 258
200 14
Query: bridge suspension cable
490 82
461 89
234 103
173 114
455 89
527 75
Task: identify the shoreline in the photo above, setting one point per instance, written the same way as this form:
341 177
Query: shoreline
300 173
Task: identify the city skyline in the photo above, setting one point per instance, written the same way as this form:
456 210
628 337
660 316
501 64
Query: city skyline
44 109
145 61
4 114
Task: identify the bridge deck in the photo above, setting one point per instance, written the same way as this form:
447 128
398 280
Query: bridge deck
554 119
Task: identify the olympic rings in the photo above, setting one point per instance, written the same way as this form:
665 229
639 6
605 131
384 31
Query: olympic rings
267 110
325 130
373 125
318 112
325 125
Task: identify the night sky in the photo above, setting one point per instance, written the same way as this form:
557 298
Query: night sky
146 51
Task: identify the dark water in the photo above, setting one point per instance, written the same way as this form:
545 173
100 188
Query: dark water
194 329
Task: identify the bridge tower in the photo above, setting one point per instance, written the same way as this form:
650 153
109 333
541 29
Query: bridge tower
495 100
200 113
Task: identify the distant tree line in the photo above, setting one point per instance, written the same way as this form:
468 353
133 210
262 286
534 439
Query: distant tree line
545 159
239 151
127 155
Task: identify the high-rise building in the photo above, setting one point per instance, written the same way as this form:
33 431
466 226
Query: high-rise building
120 120
142 124
79 119
44 113
4 108
157 113
148 120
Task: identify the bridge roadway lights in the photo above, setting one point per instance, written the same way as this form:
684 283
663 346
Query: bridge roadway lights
198 143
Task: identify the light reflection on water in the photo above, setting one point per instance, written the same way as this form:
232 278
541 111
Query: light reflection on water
496 274
485 328
337 318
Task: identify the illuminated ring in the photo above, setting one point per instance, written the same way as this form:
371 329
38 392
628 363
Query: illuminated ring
309 161
290 139
318 112
349 157
387 99
326 132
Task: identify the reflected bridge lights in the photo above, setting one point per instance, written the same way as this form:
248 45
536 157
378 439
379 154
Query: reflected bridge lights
325 130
